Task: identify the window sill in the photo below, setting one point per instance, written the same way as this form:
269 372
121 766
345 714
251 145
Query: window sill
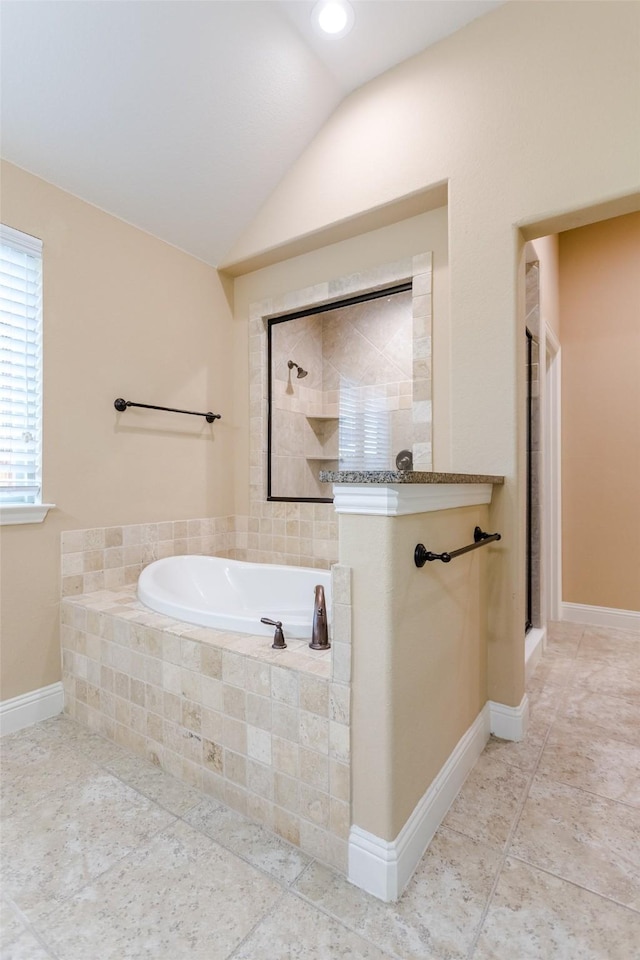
12 513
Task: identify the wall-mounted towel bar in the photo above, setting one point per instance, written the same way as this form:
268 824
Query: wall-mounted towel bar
480 538
121 405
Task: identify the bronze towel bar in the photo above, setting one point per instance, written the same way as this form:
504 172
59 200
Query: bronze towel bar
480 538
121 405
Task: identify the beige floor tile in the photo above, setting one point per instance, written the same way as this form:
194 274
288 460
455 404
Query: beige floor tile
544 700
563 639
552 670
68 731
26 947
296 929
523 754
439 912
40 769
179 896
487 805
582 838
69 837
154 783
613 678
11 926
248 840
610 644
534 916
602 715
12 744
563 629
593 762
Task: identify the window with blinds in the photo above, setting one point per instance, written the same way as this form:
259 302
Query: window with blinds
20 367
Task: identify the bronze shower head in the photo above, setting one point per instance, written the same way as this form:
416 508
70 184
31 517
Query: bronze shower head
301 373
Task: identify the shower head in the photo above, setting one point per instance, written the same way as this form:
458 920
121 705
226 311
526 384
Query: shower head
301 373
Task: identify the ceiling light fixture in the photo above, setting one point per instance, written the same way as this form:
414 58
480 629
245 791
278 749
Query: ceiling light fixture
333 16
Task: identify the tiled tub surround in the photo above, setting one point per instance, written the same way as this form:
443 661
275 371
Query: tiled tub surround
113 557
302 534
266 732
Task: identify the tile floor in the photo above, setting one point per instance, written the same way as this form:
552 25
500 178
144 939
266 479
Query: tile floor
105 857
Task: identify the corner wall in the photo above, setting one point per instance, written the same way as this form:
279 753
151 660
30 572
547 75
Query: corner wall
124 315
419 655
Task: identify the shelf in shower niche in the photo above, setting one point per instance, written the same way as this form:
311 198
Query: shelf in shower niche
322 416
321 459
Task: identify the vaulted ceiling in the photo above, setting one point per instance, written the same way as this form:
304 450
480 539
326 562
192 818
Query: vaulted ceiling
181 116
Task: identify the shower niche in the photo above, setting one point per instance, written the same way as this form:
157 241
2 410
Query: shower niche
349 383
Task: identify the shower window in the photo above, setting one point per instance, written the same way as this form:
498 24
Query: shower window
363 428
340 390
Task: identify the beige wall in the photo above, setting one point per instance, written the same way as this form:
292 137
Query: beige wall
529 114
600 304
419 655
124 315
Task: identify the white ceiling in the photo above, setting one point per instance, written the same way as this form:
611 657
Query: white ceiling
181 116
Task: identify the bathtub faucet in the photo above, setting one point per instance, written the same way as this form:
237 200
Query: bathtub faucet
278 637
320 632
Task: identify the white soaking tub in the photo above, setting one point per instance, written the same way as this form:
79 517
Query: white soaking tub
233 594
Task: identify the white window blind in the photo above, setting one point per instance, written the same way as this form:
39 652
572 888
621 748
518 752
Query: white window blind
20 367
363 439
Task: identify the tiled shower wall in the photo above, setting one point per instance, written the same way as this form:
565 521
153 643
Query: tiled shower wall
365 347
419 268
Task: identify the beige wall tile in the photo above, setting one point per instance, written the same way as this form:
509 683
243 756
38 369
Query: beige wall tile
314 769
314 805
276 767
314 695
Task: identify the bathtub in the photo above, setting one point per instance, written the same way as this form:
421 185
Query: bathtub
233 594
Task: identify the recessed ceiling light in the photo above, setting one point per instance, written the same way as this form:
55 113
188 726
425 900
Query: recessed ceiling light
333 16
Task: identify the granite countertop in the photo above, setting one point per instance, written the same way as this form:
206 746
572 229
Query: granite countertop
404 476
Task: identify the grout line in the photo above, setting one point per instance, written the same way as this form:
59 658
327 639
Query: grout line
590 793
270 912
144 842
286 884
202 797
28 928
559 699
574 883
514 826
347 925
128 753
64 741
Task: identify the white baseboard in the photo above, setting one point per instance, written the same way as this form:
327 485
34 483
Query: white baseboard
534 646
509 723
30 708
600 616
382 867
